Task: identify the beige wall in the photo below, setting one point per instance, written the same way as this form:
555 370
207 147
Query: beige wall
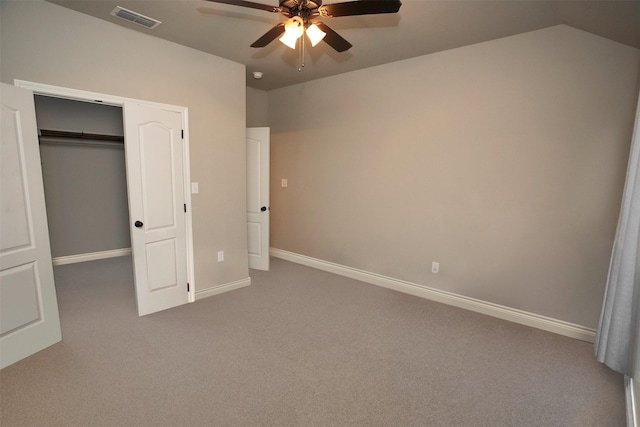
46 43
257 108
504 161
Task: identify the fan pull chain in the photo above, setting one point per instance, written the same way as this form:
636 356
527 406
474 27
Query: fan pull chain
301 54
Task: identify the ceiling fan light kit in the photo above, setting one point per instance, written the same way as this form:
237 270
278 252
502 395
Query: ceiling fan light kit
315 34
293 29
301 14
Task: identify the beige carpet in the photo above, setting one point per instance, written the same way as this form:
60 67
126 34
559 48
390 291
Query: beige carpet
299 347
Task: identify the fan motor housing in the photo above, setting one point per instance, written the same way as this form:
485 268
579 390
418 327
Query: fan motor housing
309 4
301 8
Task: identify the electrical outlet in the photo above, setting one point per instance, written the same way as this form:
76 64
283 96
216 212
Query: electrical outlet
435 267
220 256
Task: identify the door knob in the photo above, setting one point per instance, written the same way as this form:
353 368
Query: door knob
138 224
263 209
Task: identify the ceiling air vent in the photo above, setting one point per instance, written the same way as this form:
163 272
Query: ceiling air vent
135 17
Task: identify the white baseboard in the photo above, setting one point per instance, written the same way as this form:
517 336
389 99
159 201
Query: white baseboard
633 414
231 286
461 301
92 256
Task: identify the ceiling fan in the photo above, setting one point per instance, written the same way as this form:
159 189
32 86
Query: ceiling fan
301 14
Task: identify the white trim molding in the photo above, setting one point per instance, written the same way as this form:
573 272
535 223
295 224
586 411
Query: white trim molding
87 96
632 400
91 256
231 286
495 310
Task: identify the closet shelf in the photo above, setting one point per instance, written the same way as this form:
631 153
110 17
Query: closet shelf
80 135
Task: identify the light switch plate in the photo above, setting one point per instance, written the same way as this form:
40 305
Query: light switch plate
283 182
194 188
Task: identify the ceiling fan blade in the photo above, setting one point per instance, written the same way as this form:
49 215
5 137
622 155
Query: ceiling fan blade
333 39
249 4
364 7
269 36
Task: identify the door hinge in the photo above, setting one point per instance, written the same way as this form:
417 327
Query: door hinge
182 133
185 208
187 286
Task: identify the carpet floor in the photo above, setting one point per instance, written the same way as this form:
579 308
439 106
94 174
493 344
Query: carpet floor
299 347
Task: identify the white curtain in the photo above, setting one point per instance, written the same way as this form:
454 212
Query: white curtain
618 340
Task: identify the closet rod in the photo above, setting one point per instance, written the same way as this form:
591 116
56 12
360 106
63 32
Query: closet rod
80 135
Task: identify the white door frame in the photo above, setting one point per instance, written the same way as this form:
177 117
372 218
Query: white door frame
119 101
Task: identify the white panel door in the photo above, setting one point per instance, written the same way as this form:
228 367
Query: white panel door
258 210
29 320
156 188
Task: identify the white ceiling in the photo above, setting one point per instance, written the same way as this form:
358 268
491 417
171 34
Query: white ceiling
421 27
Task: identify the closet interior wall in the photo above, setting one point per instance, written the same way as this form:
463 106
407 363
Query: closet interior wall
84 178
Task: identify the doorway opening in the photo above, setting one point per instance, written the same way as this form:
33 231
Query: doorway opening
84 175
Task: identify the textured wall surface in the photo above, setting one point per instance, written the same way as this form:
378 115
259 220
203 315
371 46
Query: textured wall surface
504 161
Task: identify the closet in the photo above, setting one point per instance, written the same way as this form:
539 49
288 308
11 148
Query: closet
84 175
